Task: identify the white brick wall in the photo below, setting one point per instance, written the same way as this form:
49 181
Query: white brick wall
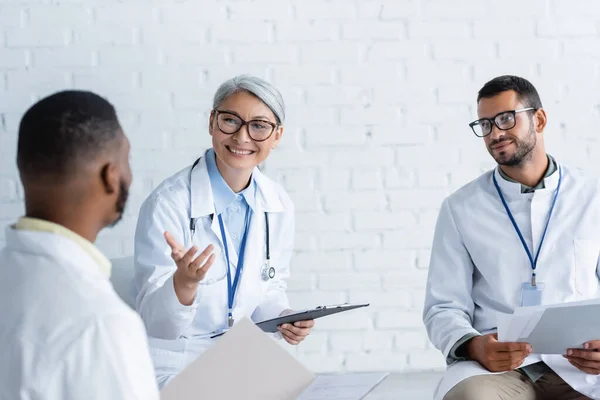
379 95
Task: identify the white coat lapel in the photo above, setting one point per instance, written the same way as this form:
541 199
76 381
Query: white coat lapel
267 198
203 204
252 258
201 194
509 189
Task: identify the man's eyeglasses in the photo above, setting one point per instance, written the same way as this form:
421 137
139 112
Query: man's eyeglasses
504 121
229 123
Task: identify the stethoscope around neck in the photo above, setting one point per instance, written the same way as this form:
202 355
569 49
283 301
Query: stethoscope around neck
267 272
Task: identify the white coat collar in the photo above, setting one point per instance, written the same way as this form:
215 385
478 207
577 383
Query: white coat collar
202 198
39 225
513 189
54 246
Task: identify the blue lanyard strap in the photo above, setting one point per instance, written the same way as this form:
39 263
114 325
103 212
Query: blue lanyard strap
232 288
512 219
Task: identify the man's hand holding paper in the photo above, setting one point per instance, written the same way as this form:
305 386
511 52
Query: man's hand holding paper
497 356
586 359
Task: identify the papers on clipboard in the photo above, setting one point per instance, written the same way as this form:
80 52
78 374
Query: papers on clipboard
552 329
248 364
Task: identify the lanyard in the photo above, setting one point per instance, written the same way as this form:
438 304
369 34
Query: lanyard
232 288
532 260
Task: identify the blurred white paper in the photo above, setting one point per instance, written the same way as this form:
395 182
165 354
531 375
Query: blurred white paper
243 364
352 386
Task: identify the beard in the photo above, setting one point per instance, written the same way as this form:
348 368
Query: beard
523 149
121 203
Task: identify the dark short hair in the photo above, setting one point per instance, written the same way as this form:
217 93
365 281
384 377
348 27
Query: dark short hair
526 92
61 132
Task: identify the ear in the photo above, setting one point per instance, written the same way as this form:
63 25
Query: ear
278 134
540 120
110 178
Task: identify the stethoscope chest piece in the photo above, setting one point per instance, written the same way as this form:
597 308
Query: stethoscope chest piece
267 272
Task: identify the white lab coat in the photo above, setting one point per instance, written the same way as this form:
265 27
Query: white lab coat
478 263
64 333
178 333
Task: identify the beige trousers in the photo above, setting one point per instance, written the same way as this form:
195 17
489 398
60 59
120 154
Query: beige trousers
513 385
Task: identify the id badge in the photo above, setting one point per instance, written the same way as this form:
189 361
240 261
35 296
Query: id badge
531 295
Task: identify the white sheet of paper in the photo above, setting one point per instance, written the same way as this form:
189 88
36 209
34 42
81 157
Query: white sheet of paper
511 327
245 363
534 319
542 326
574 303
351 386
517 324
503 323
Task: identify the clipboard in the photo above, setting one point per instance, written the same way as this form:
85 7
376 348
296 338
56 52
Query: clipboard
270 325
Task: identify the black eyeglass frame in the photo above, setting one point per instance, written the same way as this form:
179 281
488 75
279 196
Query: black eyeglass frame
244 122
492 120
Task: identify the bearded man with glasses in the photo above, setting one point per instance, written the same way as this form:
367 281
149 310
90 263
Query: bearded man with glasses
489 237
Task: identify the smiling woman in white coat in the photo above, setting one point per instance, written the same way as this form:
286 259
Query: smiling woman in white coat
241 220
523 234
